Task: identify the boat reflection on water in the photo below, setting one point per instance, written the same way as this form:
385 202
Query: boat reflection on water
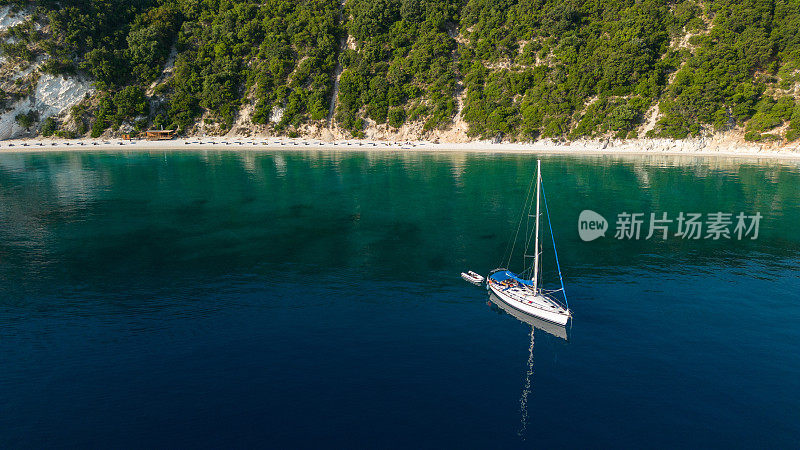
558 331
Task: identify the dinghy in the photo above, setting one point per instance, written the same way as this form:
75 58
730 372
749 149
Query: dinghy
522 293
472 277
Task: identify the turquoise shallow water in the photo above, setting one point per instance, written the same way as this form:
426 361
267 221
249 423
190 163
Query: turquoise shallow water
289 298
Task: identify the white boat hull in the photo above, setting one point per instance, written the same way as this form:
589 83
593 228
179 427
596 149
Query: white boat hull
536 306
559 331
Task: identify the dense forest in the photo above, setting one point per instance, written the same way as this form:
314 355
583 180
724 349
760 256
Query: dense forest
509 69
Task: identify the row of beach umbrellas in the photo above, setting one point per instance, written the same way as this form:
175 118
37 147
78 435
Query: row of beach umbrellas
200 142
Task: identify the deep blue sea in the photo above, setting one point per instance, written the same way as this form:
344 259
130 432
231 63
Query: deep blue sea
313 299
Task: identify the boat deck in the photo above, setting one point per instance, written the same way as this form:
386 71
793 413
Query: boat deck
526 296
520 290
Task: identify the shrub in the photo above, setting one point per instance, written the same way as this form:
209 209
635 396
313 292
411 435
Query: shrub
752 136
26 120
130 103
397 116
771 137
49 126
98 127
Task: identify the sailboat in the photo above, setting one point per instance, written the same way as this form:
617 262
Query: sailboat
524 294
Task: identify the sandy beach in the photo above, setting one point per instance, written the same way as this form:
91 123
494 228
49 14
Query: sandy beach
698 147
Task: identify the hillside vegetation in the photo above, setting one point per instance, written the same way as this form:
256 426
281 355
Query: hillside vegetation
509 69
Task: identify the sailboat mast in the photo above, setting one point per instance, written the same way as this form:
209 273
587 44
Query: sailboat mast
536 232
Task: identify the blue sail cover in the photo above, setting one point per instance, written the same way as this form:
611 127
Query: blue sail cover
502 275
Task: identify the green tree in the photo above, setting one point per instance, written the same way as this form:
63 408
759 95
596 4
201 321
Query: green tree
130 103
49 126
397 116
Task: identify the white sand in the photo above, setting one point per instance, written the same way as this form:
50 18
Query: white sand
598 148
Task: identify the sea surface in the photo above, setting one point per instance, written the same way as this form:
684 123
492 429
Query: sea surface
313 299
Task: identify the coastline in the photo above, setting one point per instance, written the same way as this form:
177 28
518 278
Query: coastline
651 147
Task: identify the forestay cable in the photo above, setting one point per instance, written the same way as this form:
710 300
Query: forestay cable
555 252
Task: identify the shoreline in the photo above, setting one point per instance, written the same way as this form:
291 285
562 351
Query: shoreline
635 147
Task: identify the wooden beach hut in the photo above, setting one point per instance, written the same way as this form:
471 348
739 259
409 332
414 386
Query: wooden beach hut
159 135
